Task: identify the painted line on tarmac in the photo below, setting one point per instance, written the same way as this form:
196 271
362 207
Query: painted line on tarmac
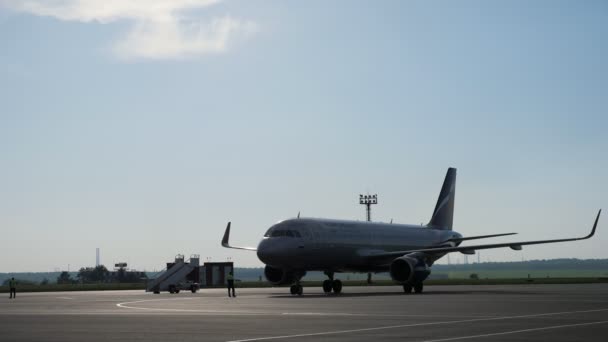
379 315
128 305
516 331
65 298
337 332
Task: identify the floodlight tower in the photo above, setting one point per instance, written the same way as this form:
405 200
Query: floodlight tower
368 200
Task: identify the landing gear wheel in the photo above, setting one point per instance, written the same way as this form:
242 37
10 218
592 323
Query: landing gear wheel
418 288
407 288
171 289
337 286
176 291
193 289
296 289
156 292
327 286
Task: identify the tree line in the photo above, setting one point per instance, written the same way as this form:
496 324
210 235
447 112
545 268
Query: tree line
100 274
86 275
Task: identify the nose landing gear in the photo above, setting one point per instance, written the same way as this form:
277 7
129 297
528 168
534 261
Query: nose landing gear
418 287
296 289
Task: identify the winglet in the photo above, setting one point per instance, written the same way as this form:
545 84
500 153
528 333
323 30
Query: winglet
594 225
226 244
226 236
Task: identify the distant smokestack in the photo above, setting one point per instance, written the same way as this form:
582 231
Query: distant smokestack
97 257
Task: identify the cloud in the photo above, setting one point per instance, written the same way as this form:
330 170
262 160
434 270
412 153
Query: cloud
160 30
174 39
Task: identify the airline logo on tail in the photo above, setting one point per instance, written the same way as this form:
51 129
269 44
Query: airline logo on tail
443 215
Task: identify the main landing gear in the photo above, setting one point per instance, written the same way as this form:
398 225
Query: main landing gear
331 284
418 287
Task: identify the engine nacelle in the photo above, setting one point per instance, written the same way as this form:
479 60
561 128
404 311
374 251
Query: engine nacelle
409 270
277 276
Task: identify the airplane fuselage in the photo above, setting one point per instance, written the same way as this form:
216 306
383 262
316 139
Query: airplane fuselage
308 244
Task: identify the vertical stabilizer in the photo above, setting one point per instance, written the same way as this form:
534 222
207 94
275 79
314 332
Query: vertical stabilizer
443 214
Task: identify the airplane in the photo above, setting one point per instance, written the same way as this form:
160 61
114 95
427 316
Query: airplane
294 246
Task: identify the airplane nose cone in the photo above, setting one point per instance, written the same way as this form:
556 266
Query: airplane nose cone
276 251
265 252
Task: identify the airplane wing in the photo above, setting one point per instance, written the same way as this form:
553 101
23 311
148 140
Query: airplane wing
227 245
472 249
477 237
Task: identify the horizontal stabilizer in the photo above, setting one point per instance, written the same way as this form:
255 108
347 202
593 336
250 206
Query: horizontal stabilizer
226 244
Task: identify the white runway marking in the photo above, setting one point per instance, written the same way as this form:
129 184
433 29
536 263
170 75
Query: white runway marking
123 305
516 331
412 325
379 315
128 305
64 298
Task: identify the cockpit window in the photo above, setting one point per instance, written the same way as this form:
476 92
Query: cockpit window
282 232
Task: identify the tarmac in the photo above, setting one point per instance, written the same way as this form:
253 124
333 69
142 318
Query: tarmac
441 313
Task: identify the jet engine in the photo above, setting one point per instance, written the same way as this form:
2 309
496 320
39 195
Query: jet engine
277 276
409 270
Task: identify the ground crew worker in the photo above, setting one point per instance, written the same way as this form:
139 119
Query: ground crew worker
13 285
230 282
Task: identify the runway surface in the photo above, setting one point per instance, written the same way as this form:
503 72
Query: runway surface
442 313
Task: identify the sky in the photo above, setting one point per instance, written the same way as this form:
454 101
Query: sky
143 127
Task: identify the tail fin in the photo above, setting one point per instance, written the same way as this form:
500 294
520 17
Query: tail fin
443 214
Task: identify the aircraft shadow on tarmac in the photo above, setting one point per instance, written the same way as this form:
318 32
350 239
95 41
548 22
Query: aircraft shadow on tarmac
401 294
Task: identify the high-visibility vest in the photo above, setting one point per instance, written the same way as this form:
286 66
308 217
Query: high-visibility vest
12 283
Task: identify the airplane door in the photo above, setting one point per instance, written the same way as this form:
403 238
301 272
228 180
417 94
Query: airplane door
315 237
303 235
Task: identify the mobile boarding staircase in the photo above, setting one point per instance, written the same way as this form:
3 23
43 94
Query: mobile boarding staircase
177 276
